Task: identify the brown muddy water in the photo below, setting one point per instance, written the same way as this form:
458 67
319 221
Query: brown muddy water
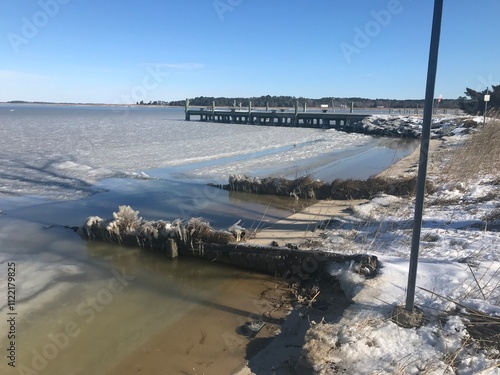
84 308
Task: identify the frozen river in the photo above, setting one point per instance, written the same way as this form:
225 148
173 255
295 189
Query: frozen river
60 152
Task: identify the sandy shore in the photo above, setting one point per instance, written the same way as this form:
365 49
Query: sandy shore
302 226
409 164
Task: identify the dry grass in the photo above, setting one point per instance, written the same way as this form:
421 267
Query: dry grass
478 157
482 327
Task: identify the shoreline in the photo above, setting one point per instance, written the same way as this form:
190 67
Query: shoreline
263 352
297 227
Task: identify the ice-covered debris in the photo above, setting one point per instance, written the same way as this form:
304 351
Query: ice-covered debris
200 230
92 223
127 224
303 187
238 231
125 220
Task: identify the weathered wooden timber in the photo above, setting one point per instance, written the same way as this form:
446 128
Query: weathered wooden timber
197 239
276 261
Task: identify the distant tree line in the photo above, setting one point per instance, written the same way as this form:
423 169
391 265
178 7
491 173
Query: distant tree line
151 102
473 102
289 101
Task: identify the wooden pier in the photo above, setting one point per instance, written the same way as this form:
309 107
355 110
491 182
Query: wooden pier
304 119
274 118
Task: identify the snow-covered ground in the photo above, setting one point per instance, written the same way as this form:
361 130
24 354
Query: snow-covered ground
458 273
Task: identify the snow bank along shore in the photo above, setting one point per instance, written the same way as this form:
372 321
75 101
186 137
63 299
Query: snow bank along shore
459 272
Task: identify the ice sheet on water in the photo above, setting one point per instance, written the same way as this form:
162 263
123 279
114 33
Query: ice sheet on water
45 259
62 154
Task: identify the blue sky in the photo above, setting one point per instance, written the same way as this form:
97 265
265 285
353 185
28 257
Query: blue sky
121 51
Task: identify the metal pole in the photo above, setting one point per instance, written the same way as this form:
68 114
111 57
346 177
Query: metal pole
186 110
485 108
295 120
424 151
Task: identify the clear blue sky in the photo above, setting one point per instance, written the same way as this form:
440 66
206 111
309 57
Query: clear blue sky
118 51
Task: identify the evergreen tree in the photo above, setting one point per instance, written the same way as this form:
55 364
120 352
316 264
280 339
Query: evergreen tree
473 103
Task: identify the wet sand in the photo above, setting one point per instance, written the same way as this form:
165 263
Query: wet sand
409 164
209 340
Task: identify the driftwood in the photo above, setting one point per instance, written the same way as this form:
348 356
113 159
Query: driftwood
196 238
